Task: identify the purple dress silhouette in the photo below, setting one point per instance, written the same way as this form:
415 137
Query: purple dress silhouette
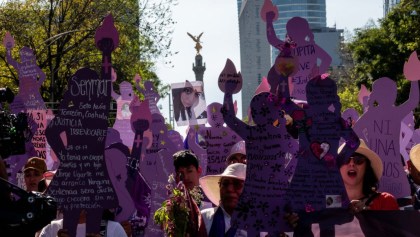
380 127
156 165
219 139
77 135
261 204
316 190
306 51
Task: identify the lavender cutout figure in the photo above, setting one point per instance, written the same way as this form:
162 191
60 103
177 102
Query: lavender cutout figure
261 204
30 76
380 126
29 99
406 133
306 51
122 120
219 139
77 135
149 94
316 190
200 152
140 191
156 167
116 155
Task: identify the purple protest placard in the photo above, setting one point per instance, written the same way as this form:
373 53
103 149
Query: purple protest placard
305 52
261 203
149 94
219 139
380 126
199 151
156 165
77 135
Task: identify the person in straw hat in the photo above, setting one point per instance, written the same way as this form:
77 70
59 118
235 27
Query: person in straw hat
223 190
361 174
413 165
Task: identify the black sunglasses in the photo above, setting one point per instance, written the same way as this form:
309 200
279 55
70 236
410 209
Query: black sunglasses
357 160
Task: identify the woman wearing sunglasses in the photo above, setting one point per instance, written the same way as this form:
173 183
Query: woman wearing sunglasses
361 174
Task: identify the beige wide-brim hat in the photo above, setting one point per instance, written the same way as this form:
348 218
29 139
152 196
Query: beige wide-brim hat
415 156
375 160
210 183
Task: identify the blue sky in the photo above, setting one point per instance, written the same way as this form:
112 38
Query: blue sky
219 22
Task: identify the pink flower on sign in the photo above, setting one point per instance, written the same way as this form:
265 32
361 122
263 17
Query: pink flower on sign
411 67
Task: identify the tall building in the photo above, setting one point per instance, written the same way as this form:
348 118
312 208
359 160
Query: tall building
255 49
389 4
257 55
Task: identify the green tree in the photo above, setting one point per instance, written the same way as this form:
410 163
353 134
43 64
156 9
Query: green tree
61 33
381 51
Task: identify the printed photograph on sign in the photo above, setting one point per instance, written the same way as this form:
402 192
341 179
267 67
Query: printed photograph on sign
189 103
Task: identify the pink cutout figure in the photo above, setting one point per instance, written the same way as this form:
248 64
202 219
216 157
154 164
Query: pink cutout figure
149 94
30 76
306 51
122 120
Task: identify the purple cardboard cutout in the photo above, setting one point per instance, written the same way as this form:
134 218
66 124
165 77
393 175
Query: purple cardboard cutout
30 76
351 116
317 191
82 180
380 127
149 94
218 138
136 184
189 103
306 51
157 167
116 154
122 121
29 99
406 133
261 204
363 97
199 151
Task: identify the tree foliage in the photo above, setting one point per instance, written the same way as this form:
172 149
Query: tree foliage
61 33
377 52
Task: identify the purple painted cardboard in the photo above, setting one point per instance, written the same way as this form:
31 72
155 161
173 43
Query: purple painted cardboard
316 190
380 127
176 139
140 191
122 120
306 51
149 94
219 139
189 103
261 203
82 181
30 76
406 133
200 152
29 99
351 116
157 167
116 154
363 97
